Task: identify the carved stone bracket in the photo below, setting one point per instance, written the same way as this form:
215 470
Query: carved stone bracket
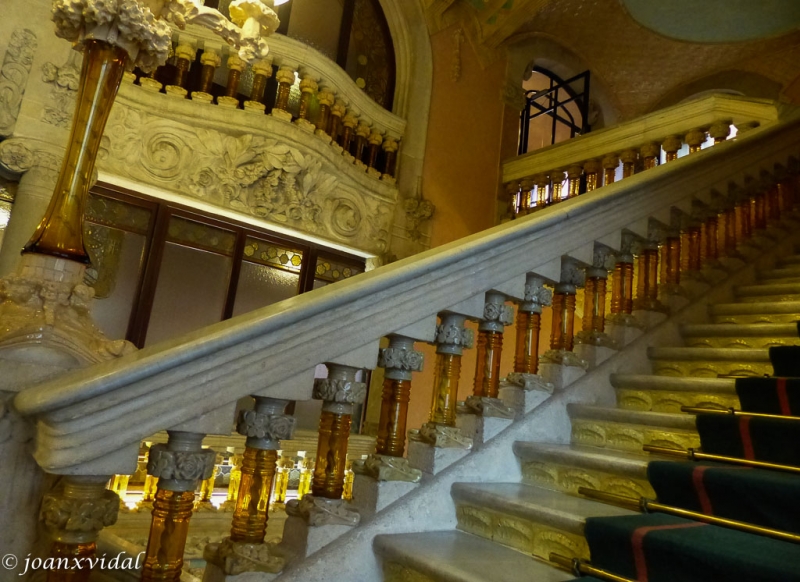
273 427
563 358
339 391
441 436
387 468
657 232
14 77
418 210
180 465
500 313
490 407
530 382
320 511
401 359
604 259
572 276
626 251
238 557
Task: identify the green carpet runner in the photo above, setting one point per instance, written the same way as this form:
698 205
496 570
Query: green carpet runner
770 395
759 497
663 548
773 440
785 360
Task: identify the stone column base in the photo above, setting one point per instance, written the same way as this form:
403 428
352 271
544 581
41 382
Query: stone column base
371 496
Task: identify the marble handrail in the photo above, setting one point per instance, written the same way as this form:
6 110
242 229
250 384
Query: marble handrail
93 413
677 120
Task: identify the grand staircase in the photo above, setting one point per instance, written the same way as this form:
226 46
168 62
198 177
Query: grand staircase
509 531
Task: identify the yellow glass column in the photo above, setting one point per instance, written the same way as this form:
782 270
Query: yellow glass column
647 284
650 153
339 393
526 354
671 145
496 315
349 123
390 146
326 99
622 283
375 140
60 233
262 71
629 159
306 473
556 186
399 361
73 513
574 174
184 57
594 304
592 170
720 130
264 426
285 77
695 138
451 339
513 196
179 465
210 61
526 203
308 92
234 481
363 132
235 68
334 128
610 165
542 182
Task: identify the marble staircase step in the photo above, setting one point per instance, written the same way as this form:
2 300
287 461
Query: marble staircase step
789 261
740 335
709 362
756 312
647 392
568 467
454 556
772 292
782 272
531 519
630 430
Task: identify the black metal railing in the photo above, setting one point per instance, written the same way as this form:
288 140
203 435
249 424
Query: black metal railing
553 103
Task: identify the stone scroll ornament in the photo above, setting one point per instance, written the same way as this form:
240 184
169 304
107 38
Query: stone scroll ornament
146 36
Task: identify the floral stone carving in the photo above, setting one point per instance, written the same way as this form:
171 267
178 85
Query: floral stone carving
339 391
454 335
272 427
14 77
238 557
321 511
180 465
387 468
64 81
79 515
401 359
279 180
498 312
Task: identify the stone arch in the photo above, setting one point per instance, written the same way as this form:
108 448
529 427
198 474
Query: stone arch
541 50
734 82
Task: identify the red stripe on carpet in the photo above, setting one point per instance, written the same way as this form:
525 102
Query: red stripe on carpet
783 398
637 541
747 441
700 488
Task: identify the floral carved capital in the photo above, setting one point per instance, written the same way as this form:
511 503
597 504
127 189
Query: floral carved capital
180 465
401 359
339 391
454 335
500 313
272 427
537 293
63 514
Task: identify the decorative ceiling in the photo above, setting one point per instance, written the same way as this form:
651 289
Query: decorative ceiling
641 69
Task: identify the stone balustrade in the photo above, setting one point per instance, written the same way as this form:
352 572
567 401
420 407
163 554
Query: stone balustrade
90 422
312 92
578 166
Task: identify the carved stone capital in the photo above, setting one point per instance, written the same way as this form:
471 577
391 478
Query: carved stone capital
672 144
387 468
536 295
530 382
238 557
340 391
488 407
696 137
308 84
271 427
285 75
657 232
604 258
451 334
401 359
75 513
320 511
442 436
180 465
499 313
572 276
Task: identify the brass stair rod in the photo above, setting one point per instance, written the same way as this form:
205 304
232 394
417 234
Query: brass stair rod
648 506
695 455
734 412
580 567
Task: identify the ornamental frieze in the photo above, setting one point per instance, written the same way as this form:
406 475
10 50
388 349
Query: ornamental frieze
252 164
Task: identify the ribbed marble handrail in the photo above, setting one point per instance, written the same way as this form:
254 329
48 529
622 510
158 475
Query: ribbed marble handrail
94 412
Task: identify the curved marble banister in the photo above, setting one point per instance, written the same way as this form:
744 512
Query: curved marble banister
96 411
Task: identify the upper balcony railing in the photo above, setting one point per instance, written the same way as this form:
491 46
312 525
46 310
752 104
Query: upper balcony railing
580 165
